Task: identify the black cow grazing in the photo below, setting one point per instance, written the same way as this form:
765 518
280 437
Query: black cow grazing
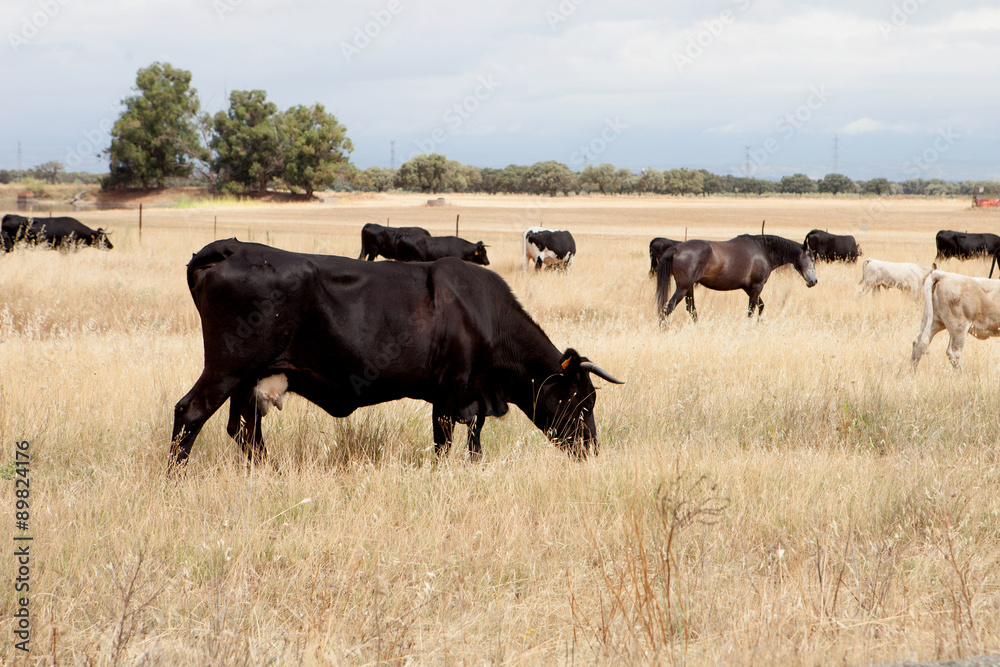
56 231
657 247
381 240
346 334
410 248
551 248
965 246
832 247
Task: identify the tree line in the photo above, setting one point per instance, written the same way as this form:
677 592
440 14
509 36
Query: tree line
162 138
434 173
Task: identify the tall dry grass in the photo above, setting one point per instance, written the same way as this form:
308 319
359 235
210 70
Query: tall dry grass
774 492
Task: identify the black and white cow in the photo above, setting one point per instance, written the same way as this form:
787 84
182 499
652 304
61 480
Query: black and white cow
551 248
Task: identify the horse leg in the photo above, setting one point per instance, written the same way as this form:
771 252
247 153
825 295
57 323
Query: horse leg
689 303
679 294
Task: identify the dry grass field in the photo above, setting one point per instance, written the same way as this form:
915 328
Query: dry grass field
777 492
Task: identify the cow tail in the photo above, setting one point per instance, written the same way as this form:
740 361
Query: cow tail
994 262
928 317
863 265
663 272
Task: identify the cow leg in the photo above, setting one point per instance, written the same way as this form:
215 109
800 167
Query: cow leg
444 426
539 263
244 424
475 430
955 344
921 342
191 412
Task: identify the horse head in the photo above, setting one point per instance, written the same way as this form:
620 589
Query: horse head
805 264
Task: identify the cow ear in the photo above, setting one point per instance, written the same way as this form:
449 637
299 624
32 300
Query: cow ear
570 361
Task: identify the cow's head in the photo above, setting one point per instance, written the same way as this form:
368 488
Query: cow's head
478 255
564 404
100 239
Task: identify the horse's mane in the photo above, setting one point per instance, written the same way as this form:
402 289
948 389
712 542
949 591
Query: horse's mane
778 248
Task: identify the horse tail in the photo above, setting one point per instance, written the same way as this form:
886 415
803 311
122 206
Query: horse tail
663 272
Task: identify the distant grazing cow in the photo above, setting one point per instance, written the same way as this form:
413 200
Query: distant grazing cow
57 232
657 247
410 248
832 247
345 334
551 248
906 276
965 246
960 304
381 240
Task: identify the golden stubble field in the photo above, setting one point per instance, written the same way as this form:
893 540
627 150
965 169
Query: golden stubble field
774 492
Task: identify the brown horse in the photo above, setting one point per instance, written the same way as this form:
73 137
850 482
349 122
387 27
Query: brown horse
744 262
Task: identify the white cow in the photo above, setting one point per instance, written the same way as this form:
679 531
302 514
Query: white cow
960 304
876 274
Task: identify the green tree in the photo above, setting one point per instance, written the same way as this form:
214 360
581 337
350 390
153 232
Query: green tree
245 142
314 147
48 171
490 180
156 137
473 178
549 178
624 181
598 178
379 178
430 172
877 186
835 184
650 180
683 181
798 184
512 179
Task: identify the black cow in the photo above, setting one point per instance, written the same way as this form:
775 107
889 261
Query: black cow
410 248
381 240
657 247
345 334
965 246
56 231
552 248
832 247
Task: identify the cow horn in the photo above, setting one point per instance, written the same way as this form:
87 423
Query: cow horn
591 367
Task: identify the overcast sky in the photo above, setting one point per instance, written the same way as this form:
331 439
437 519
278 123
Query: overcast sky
904 88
